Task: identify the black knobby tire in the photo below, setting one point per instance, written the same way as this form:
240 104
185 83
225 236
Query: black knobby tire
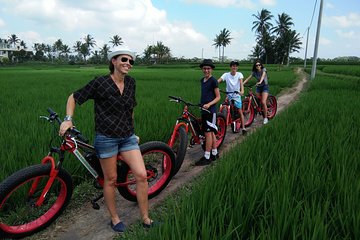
224 112
159 159
179 147
271 104
19 217
248 112
221 133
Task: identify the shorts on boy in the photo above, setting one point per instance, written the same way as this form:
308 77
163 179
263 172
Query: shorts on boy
208 121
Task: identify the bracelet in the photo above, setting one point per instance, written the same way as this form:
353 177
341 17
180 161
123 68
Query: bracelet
68 118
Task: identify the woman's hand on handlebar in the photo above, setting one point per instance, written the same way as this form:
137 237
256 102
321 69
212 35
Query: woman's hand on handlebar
65 125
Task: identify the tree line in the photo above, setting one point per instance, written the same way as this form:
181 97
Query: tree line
275 41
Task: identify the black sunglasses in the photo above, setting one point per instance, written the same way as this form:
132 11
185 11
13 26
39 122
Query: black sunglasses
125 59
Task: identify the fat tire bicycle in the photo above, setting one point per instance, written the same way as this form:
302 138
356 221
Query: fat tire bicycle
188 122
33 197
252 106
230 111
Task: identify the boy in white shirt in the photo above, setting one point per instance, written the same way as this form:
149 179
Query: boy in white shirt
234 82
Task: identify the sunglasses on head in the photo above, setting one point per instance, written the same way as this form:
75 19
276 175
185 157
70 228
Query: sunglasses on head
125 59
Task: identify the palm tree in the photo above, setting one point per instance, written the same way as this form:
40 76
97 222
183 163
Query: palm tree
77 47
104 51
217 43
262 27
23 45
89 40
66 50
116 41
284 24
58 47
13 39
224 38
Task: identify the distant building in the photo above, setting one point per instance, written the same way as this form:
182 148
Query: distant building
8 51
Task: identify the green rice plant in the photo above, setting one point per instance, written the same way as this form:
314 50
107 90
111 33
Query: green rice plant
27 92
353 70
296 178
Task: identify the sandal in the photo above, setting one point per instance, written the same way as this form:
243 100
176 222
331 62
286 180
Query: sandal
119 227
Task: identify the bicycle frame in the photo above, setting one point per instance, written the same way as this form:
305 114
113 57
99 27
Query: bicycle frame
186 120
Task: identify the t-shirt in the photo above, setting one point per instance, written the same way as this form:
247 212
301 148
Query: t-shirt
232 81
208 93
113 111
258 75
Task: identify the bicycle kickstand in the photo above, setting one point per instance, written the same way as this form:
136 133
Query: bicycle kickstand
94 203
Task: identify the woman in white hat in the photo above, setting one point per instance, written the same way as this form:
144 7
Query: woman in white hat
114 102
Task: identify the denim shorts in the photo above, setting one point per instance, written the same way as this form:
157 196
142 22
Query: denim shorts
109 146
262 88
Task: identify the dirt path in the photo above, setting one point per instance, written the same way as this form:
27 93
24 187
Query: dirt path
92 224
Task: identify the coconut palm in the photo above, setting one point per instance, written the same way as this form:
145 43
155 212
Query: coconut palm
89 40
217 44
116 41
104 51
223 39
13 39
262 27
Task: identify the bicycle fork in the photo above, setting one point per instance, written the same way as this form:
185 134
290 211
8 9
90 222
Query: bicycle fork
53 173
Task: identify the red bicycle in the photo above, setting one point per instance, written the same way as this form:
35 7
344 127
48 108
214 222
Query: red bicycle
252 106
230 111
188 122
33 197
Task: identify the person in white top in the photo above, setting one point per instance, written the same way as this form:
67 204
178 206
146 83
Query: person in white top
234 82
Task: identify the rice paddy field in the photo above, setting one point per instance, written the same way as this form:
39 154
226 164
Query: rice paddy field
295 178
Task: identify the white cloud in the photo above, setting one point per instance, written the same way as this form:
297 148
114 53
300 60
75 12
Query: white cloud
2 23
248 4
348 21
268 2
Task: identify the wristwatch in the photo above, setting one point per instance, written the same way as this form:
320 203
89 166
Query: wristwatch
68 118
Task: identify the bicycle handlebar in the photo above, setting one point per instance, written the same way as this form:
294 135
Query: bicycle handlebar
179 99
73 131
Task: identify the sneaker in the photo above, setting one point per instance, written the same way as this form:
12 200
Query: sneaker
244 131
152 224
266 120
203 161
119 227
214 157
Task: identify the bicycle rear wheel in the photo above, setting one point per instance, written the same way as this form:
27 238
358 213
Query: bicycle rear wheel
179 146
248 111
19 214
159 162
271 103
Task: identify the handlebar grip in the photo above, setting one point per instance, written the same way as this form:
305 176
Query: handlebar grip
77 134
51 111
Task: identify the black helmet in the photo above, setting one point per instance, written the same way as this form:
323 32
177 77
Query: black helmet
234 63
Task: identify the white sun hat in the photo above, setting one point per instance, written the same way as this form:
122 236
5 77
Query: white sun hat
121 50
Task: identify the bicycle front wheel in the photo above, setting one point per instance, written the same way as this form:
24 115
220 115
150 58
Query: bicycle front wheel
248 111
271 103
20 214
179 146
159 160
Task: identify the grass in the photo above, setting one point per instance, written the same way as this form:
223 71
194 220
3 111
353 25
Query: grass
296 178
27 93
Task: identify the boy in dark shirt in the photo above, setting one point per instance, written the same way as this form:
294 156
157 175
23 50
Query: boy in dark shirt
210 95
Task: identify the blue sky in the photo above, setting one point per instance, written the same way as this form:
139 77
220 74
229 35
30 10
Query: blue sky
187 27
